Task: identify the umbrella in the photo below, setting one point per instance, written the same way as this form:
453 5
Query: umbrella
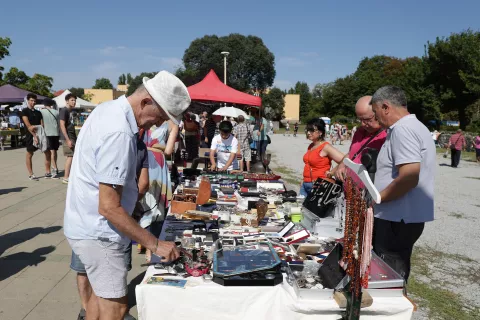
230 112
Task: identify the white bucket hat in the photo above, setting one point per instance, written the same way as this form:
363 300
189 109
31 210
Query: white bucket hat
170 93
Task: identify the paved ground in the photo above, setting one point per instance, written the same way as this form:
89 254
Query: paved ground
448 252
35 279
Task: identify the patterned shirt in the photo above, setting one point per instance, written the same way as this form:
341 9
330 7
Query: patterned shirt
241 133
458 141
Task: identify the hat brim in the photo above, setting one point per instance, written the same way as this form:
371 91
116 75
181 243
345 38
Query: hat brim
158 99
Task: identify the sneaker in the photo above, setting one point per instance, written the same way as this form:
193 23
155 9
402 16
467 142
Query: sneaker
48 175
65 181
33 177
55 171
54 175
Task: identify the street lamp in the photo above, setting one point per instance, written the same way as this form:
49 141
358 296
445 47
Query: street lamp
225 54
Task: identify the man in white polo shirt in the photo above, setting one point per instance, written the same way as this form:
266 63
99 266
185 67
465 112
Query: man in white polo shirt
101 199
405 179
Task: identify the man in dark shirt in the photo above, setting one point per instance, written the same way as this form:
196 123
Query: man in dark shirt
31 118
67 133
211 126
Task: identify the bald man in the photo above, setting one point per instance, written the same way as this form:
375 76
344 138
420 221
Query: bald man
369 135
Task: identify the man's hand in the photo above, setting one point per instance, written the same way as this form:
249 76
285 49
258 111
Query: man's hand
32 129
69 143
340 172
213 166
223 169
167 250
206 140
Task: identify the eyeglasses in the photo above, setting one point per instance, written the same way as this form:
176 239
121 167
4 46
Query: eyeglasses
367 120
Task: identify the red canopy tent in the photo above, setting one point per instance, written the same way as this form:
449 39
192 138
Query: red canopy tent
212 89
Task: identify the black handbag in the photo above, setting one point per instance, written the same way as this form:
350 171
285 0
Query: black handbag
323 197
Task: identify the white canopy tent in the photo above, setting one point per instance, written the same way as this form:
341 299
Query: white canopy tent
60 100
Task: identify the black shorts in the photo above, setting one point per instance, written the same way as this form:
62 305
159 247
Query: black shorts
53 143
29 142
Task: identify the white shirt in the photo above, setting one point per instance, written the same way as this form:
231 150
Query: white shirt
105 152
224 149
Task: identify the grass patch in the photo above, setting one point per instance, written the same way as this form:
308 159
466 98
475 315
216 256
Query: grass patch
292 181
285 170
301 129
441 303
476 178
456 215
466 155
432 293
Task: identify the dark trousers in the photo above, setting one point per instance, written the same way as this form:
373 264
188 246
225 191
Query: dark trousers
393 242
455 156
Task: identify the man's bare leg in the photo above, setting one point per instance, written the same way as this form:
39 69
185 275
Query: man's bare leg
68 165
28 160
241 165
248 165
109 309
84 289
48 161
54 157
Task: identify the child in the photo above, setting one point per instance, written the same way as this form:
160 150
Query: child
226 146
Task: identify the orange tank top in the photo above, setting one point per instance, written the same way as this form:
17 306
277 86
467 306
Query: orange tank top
315 165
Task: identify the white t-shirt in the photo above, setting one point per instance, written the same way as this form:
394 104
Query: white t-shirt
224 148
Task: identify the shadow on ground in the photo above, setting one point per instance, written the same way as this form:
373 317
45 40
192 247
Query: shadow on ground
16 262
12 239
10 190
132 301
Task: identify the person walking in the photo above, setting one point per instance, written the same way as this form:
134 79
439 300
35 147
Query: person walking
405 178
319 156
52 130
103 190
287 128
457 143
243 135
295 129
31 118
476 145
68 134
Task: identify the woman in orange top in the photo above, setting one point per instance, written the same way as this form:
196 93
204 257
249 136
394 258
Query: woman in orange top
319 156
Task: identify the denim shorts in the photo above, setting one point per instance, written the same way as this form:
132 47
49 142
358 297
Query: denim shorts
77 265
105 265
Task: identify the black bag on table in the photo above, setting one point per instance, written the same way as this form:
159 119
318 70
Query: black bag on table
323 197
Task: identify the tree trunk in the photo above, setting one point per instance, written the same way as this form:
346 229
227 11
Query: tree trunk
462 117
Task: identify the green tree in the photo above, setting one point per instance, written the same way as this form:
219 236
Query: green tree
250 64
339 97
78 92
138 80
129 78
4 45
40 84
103 83
454 70
274 104
16 78
122 79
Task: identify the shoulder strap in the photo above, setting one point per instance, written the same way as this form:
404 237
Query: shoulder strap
52 114
366 143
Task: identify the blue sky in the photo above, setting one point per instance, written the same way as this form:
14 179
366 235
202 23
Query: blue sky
313 41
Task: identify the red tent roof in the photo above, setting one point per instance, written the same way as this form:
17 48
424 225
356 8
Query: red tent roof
59 92
212 89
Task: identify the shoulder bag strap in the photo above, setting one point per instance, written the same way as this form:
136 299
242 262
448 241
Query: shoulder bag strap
366 143
52 114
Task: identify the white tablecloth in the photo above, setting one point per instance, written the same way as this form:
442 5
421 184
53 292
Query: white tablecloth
211 301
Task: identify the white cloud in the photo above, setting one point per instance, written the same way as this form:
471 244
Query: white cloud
23 61
292 61
283 84
310 54
107 51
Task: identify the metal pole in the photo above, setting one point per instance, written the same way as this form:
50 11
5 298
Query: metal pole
225 69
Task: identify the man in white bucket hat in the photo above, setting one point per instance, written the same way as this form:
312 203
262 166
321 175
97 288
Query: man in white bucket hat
103 191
